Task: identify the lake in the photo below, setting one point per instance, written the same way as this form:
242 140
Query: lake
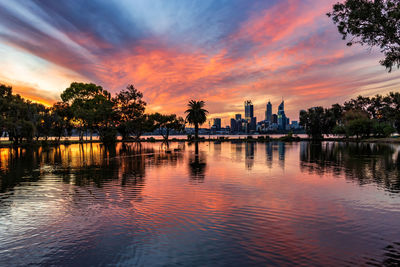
211 204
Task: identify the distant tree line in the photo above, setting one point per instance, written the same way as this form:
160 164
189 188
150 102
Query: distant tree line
87 108
377 116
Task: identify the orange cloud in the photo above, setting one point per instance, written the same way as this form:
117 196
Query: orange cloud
288 50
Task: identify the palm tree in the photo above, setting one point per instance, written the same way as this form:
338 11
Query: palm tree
196 115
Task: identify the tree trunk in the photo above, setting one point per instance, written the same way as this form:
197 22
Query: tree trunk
166 136
137 136
196 131
80 135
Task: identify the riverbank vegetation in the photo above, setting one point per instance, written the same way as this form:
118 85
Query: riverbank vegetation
363 117
196 115
86 109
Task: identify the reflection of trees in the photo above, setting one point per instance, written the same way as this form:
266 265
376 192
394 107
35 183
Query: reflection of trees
197 165
83 164
168 157
363 162
131 162
18 165
90 164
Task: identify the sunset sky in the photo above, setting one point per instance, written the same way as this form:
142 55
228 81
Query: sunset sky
223 52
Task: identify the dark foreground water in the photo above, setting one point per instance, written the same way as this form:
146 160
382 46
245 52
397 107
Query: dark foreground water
231 204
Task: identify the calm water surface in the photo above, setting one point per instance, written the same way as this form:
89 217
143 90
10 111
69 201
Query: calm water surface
229 204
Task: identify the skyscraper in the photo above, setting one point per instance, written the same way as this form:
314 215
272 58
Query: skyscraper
234 125
282 121
268 112
274 118
281 106
238 117
249 116
248 110
253 124
217 123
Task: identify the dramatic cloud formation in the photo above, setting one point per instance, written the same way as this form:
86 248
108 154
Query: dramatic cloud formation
223 52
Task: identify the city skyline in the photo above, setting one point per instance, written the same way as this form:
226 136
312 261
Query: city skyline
252 110
246 121
174 52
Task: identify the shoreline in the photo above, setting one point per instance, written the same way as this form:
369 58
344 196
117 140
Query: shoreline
285 139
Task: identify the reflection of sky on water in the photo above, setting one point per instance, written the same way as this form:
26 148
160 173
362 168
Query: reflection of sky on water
210 204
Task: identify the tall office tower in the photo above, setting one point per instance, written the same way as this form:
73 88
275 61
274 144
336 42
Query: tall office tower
268 112
274 118
238 117
281 116
281 106
217 123
234 125
248 110
253 124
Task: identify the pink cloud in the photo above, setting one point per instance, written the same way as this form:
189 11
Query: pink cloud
290 50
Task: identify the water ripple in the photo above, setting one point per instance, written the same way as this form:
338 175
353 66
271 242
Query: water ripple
228 204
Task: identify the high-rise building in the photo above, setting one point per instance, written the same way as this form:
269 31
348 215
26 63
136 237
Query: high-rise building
238 117
249 116
282 121
217 123
274 118
268 112
235 125
295 125
281 106
248 110
253 124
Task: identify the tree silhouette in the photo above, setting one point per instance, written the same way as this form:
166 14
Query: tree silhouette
89 104
196 115
131 108
166 123
374 23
